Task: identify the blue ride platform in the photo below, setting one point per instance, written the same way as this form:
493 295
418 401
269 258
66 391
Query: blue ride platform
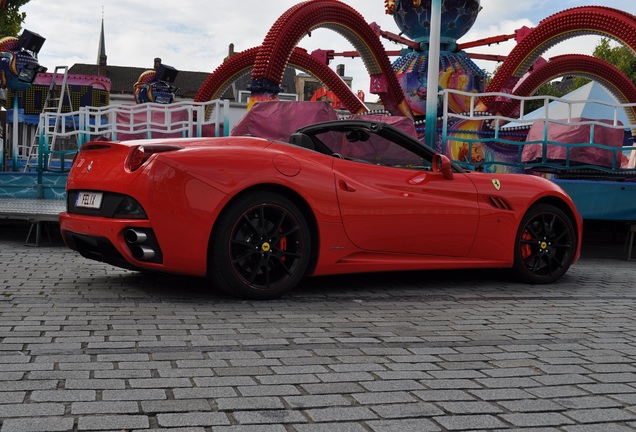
602 200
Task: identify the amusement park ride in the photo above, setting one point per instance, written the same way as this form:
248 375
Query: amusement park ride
467 116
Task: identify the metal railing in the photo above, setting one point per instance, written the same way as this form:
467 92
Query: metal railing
120 123
478 132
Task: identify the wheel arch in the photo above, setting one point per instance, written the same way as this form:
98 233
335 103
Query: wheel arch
293 196
561 205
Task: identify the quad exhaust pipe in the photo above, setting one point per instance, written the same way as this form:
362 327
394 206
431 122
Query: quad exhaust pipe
134 236
142 253
139 249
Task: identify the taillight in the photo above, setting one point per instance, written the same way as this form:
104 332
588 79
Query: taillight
140 154
136 158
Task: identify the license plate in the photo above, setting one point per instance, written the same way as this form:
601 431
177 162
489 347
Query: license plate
92 200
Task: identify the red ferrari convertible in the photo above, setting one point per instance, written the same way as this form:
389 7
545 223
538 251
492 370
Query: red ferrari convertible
256 216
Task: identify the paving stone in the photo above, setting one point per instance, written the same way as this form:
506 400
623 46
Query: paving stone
163 406
588 402
113 422
205 419
342 414
127 407
281 416
224 381
12 397
601 415
27 367
376 398
563 379
557 391
333 388
607 388
470 422
159 382
97 384
204 393
295 379
451 384
12 386
134 395
11 376
269 390
63 395
31 410
541 419
249 403
531 405
252 428
469 407
43 424
122 374
114 350
606 427
406 425
406 410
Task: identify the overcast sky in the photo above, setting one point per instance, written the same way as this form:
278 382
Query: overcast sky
194 35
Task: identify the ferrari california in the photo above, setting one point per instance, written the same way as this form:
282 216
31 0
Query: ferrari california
258 216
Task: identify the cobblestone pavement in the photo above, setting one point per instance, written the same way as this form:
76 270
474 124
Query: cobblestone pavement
89 347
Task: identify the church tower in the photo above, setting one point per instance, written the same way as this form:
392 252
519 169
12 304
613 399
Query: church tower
101 54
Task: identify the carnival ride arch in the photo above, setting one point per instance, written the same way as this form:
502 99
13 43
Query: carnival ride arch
280 43
584 20
606 74
279 49
241 63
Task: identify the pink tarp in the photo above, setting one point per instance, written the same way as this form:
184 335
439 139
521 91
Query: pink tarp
575 134
403 123
278 120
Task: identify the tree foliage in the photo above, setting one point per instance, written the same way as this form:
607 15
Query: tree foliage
619 55
11 18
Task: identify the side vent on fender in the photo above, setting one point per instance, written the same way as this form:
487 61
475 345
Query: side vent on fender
498 202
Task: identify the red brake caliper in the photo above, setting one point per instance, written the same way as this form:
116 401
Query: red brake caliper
526 250
283 246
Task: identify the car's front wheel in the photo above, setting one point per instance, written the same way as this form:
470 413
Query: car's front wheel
260 246
545 245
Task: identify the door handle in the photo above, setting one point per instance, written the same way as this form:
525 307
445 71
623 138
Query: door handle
418 179
345 187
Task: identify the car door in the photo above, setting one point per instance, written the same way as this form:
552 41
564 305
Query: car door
405 210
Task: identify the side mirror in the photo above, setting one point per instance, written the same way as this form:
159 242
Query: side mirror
442 164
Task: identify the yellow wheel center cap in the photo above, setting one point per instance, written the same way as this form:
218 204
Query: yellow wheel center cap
544 245
266 247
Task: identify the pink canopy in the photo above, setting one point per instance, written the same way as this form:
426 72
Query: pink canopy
579 135
278 120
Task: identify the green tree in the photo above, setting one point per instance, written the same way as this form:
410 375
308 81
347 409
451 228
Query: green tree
11 18
620 56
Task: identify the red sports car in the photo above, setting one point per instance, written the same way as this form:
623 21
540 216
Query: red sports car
256 216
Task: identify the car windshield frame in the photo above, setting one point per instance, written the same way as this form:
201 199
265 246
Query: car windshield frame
363 133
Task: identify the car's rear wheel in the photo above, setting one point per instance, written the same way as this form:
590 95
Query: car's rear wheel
545 245
260 246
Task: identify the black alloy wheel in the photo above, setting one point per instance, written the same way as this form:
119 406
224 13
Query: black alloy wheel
545 245
260 247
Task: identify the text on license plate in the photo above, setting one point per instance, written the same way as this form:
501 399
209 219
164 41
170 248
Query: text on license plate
91 200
